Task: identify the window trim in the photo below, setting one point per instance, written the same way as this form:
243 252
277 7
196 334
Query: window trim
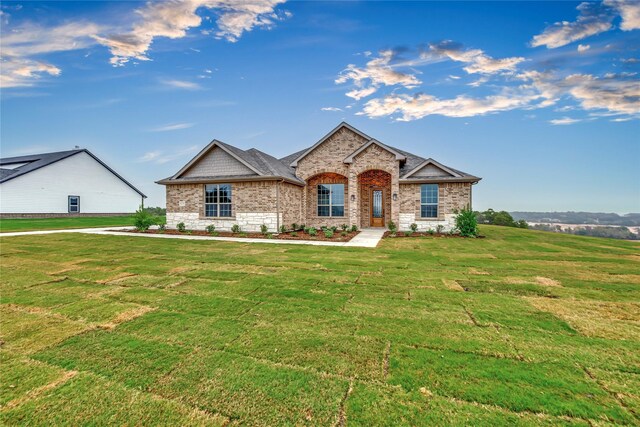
69 204
217 204
330 204
425 203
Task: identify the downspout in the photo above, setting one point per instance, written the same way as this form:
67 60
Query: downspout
278 206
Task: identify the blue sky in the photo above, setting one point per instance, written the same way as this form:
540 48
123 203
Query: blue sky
541 99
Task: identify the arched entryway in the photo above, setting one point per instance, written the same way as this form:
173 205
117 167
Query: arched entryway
326 200
374 187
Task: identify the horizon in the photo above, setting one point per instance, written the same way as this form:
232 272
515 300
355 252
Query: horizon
541 100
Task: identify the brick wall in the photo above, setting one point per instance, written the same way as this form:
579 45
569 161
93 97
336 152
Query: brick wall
452 196
329 156
291 204
311 201
367 180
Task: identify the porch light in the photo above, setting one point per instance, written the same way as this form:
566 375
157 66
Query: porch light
353 197
395 197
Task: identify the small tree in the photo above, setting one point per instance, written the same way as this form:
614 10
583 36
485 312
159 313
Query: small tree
467 223
181 227
142 219
211 229
414 227
264 229
235 228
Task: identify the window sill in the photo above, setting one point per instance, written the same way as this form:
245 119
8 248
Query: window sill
205 218
430 219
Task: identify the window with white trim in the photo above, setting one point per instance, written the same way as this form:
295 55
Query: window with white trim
73 203
217 200
330 200
429 201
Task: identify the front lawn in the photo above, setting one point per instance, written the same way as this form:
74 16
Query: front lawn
32 224
522 327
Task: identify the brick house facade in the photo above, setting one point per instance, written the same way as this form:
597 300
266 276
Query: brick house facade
346 177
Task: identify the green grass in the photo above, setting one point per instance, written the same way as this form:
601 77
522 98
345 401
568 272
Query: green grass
33 224
520 328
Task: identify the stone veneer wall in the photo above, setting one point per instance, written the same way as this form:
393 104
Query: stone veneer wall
253 204
367 180
452 196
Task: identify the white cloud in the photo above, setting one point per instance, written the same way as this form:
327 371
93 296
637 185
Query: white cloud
418 106
171 127
629 12
564 121
451 76
331 109
181 84
583 47
172 19
161 157
478 61
19 68
594 18
380 71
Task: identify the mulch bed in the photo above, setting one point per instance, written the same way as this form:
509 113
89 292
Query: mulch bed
301 235
400 234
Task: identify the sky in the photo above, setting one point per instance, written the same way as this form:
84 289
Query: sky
540 99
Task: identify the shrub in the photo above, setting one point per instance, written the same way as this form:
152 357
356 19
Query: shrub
235 228
344 234
210 228
467 223
312 231
294 226
328 233
408 233
162 227
306 229
283 228
354 228
269 235
142 220
181 227
242 234
414 227
344 227
430 231
294 234
392 227
334 229
439 228
264 229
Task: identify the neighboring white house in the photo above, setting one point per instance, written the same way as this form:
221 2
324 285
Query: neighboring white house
71 182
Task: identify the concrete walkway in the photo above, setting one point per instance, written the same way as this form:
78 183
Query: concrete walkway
367 238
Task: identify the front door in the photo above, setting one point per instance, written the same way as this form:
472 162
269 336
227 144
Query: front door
377 209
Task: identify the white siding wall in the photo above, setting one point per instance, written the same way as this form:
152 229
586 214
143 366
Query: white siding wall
45 190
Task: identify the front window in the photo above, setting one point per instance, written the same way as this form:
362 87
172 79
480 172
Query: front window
217 200
74 204
331 200
429 201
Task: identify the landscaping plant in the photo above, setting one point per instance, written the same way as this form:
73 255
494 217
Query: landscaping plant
211 229
264 229
328 233
235 228
467 223
181 227
142 220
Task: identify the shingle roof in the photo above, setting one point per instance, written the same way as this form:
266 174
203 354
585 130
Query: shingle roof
268 166
34 162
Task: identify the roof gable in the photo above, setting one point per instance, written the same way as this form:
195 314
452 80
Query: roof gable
342 125
431 168
34 162
229 152
217 162
399 156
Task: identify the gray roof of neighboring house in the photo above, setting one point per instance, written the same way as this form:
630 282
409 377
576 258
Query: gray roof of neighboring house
268 167
34 162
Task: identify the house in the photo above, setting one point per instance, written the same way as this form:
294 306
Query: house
346 177
73 182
